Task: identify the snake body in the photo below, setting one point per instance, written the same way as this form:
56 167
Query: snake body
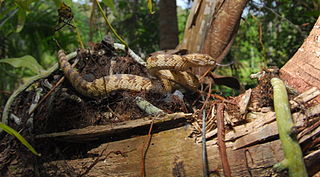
167 68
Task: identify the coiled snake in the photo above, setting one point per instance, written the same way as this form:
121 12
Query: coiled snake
169 69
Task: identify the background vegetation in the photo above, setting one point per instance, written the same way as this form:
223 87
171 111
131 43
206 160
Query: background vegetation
270 33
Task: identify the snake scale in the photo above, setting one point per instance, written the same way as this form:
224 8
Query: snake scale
167 68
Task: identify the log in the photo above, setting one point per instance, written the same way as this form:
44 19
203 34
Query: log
252 148
171 152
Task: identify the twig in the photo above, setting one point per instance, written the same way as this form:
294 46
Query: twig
45 74
205 74
148 107
131 53
34 104
114 113
221 143
110 26
215 96
204 146
281 17
51 90
208 96
144 151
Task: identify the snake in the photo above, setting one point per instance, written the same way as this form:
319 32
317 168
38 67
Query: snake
169 69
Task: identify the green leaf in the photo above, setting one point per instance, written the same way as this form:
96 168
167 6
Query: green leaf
313 13
6 15
25 61
21 19
150 7
109 3
14 133
57 3
24 4
68 3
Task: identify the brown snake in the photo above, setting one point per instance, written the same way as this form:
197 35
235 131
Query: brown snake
166 67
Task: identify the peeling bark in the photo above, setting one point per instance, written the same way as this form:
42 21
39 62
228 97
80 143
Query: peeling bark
211 26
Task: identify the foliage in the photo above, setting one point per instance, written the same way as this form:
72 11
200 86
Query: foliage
269 35
26 28
137 25
19 137
25 61
110 26
182 15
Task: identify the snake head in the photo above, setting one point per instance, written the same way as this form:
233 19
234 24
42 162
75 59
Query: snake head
200 59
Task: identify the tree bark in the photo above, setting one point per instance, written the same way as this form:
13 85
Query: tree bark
168 24
211 26
302 71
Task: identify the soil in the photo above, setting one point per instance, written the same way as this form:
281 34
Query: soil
66 109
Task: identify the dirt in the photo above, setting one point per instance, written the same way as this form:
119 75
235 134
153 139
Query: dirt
66 109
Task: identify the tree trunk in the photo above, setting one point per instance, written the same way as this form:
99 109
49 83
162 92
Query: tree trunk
211 26
302 71
168 25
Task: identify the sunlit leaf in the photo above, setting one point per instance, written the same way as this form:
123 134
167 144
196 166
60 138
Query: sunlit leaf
25 61
21 20
14 133
150 6
68 3
109 3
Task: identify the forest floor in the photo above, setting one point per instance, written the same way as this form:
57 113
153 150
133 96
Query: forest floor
65 109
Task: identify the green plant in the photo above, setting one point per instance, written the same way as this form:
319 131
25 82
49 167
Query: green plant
14 133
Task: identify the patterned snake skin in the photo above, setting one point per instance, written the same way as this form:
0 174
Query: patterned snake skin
167 68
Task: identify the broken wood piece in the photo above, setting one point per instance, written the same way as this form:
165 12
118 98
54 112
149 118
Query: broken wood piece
261 135
149 108
244 101
315 131
119 130
300 117
305 97
136 57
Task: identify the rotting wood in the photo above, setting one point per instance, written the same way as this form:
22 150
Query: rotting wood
244 101
252 149
305 97
173 152
91 133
